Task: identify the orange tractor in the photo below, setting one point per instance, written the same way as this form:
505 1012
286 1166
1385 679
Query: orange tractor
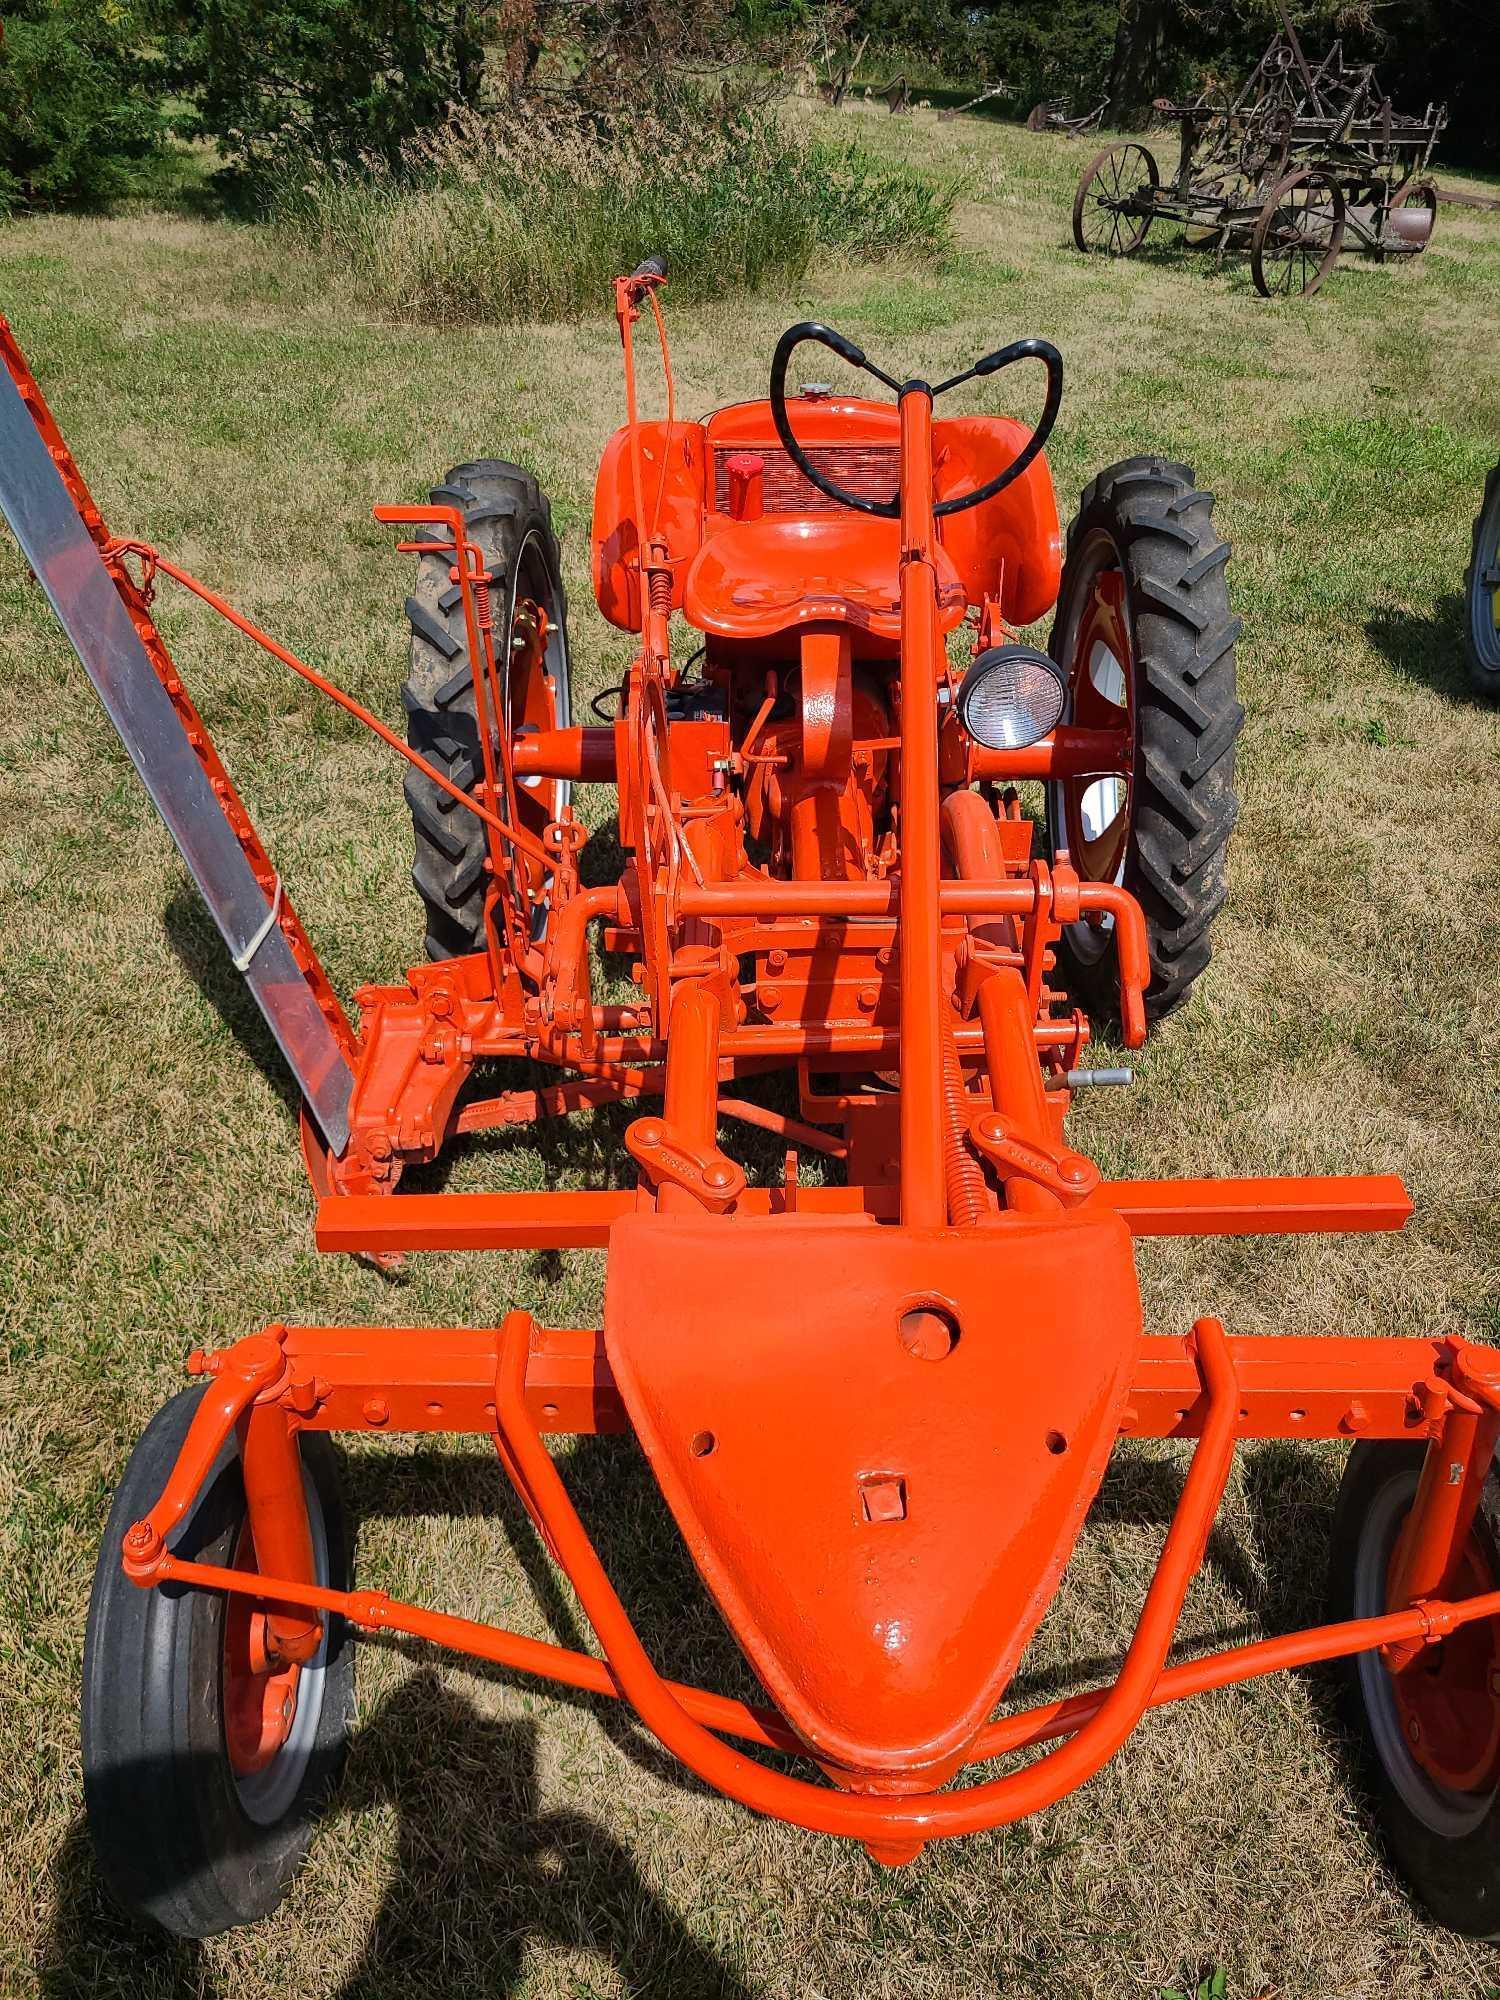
879 1384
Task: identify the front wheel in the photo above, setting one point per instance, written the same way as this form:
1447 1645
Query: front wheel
204 1764
1430 1734
1145 635
1116 199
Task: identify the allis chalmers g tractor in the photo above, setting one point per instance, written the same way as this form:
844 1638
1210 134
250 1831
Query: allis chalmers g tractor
878 1400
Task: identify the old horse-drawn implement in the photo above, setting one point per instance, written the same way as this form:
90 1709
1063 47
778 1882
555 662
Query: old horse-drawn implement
1305 161
878 1401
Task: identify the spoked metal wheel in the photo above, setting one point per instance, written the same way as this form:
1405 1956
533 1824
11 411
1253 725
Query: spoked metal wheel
1431 1730
1115 201
1482 595
1298 235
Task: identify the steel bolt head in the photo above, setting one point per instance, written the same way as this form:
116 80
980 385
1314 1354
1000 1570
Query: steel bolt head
1074 1169
718 1174
377 1410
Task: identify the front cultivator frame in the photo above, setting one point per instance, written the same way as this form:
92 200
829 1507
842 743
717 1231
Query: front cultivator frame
878 1403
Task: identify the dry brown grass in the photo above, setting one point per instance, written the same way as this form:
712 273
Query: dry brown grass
493 1838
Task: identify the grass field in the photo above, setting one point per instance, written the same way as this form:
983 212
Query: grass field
492 1838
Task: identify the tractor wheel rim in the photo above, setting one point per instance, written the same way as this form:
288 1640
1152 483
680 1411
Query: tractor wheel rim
270 1715
1093 810
1424 1720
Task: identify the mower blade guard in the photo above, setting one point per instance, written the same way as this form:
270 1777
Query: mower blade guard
881 1523
58 546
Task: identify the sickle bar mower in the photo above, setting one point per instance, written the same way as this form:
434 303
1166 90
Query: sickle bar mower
879 1386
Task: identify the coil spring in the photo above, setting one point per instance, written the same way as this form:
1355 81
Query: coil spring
963 1177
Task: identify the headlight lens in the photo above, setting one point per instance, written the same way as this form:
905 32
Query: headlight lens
1011 696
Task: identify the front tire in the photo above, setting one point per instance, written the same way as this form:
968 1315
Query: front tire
1145 635
190 1827
1429 1736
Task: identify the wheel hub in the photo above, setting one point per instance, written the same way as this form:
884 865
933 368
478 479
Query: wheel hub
259 1691
1448 1698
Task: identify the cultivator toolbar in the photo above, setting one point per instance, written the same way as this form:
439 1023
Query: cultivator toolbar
878 1396
1306 159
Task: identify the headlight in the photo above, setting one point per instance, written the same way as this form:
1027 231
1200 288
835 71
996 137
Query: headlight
1011 696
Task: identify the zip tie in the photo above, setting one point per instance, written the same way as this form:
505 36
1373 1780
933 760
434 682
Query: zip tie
273 916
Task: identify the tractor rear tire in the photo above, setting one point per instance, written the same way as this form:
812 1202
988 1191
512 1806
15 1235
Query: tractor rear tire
1482 595
183 1836
1144 575
508 516
1444 1838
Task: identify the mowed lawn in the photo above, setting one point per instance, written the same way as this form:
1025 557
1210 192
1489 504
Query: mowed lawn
493 1838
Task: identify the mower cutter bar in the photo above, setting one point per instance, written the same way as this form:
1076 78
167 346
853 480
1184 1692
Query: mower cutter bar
40 505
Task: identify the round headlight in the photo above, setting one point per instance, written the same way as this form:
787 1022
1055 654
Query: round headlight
1011 696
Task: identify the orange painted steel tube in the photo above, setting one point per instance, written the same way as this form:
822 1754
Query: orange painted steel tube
692 1081
791 1129
581 1220
375 1611
884 1820
1241 1663
276 1508
1069 752
1273 1205
919 938
349 705
583 753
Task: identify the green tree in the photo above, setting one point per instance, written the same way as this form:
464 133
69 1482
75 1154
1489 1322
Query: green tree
81 120
343 81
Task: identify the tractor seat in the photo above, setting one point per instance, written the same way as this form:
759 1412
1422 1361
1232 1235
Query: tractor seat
751 579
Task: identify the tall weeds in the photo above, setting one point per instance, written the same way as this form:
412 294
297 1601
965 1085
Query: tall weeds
529 215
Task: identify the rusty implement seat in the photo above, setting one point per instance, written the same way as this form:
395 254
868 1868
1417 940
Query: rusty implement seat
752 579
879 1445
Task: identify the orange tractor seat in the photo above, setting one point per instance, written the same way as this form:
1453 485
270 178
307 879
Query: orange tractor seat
804 558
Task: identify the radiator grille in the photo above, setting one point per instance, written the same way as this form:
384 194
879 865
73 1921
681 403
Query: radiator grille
873 471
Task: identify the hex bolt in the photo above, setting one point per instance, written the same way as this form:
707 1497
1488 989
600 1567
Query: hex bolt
376 1410
776 960
869 999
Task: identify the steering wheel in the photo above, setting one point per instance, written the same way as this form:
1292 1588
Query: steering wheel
991 364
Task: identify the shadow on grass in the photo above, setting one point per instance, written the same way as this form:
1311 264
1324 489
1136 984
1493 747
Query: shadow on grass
1425 648
481 1875
195 941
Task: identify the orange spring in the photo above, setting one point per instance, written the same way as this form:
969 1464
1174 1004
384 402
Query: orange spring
661 591
963 1177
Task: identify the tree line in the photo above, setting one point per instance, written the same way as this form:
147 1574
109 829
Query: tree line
94 93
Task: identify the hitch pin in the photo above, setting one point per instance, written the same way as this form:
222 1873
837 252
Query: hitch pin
1090 1079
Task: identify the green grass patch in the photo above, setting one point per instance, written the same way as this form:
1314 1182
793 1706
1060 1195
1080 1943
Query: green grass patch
531 220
